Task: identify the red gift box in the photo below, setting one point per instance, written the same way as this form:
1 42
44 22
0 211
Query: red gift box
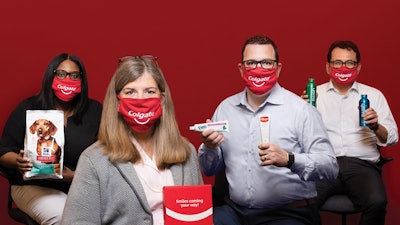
184 205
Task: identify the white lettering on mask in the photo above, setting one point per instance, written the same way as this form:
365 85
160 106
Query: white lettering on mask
256 80
141 116
343 77
66 90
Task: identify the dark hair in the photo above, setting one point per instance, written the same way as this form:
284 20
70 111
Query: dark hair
349 45
46 95
261 40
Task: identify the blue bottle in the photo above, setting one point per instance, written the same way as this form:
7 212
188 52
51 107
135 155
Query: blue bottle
363 106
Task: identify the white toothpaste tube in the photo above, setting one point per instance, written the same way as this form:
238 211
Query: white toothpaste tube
217 126
264 125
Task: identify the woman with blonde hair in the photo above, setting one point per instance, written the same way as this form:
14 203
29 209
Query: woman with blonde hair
119 179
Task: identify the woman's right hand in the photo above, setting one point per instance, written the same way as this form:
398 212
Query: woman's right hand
23 163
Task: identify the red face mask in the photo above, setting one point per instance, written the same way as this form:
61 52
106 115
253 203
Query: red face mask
66 89
260 80
344 75
140 114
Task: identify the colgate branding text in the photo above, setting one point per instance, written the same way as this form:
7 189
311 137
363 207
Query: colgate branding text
140 115
341 75
65 88
257 80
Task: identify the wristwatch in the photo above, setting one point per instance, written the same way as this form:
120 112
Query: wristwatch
290 159
374 126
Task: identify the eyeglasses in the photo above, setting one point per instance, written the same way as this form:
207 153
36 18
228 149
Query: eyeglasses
148 57
349 64
252 64
61 74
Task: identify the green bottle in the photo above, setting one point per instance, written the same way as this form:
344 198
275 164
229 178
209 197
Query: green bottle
311 91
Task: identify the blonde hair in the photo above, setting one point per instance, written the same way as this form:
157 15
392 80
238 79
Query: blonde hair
115 134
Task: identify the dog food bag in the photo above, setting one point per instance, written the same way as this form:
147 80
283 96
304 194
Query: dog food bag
44 143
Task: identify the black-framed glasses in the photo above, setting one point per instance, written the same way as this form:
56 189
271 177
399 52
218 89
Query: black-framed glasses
152 58
62 74
252 64
339 63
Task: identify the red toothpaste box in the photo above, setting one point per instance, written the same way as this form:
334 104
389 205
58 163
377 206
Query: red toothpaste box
184 205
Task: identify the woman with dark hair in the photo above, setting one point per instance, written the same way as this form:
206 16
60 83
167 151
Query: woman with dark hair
120 178
44 199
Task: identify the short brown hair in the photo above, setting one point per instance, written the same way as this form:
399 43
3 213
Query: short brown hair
261 40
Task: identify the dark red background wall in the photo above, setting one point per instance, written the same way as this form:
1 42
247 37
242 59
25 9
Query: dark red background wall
198 44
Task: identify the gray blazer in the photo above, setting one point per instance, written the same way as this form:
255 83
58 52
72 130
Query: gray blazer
106 193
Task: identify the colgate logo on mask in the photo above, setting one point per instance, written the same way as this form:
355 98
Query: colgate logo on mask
66 90
256 80
140 116
252 78
343 77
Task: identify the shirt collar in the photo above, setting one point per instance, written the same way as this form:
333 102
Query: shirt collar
355 87
275 97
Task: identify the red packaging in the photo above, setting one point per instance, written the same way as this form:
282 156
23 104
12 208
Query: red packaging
184 205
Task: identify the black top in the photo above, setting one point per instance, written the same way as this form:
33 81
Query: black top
77 138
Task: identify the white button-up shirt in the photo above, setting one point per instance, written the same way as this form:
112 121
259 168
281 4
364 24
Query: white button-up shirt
341 117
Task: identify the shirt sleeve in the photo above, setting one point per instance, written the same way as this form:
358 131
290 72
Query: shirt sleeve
211 161
317 161
386 119
84 195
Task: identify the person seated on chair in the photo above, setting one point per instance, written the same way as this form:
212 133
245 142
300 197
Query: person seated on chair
355 146
140 150
270 181
44 199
